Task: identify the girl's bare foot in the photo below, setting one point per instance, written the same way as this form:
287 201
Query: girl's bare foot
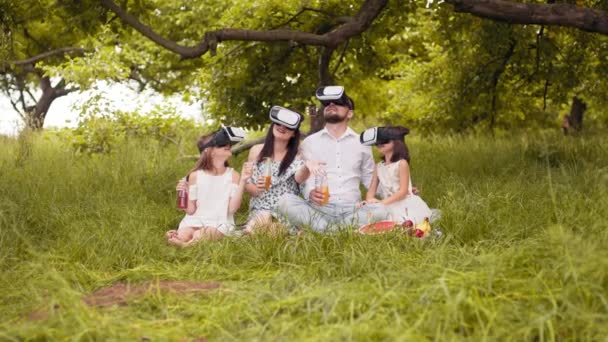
177 242
171 234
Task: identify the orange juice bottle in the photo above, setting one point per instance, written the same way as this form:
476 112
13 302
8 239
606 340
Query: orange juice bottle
322 186
325 190
267 172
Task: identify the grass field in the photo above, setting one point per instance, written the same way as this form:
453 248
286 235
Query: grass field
524 254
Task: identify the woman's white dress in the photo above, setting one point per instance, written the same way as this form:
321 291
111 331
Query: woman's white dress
412 207
212 199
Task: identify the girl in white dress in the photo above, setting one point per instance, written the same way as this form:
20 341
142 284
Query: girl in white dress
391 179
214 191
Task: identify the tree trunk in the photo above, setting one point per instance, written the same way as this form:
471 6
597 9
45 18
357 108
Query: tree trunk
317 121
36 114
574 121
495 78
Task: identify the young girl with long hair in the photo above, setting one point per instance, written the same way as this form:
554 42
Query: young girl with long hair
391 179
214 190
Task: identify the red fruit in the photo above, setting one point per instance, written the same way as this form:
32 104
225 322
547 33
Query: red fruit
408 223
419 233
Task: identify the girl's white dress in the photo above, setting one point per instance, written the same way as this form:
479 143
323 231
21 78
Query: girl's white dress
212 196
412 207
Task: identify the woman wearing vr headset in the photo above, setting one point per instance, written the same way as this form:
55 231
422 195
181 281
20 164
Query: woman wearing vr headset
391 179
287 170
214 190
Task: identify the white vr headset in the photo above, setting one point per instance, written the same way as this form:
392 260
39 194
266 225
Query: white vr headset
225 136
334 94
379 135
285 117
330 93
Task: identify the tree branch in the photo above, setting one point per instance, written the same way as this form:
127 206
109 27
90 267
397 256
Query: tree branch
325 76
341 58
61 51
560 14
367 13
29 93
304 9
248 145
14 104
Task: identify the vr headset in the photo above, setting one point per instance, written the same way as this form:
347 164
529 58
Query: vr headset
336 95
285 117
225 136
379 136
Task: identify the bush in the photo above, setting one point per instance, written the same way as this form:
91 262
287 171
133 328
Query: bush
101 130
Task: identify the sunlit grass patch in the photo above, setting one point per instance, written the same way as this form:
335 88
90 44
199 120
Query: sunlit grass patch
523 254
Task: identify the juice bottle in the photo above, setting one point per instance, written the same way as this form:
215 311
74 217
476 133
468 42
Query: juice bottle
322 185
325 190
267 172
182 198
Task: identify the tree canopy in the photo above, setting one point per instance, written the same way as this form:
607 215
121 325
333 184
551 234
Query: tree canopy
405 62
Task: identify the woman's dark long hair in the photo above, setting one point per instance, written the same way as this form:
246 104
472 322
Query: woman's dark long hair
400 150
292 148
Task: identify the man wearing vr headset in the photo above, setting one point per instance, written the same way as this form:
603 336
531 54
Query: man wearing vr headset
348 164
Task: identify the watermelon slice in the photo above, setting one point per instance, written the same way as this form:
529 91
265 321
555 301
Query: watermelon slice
379 227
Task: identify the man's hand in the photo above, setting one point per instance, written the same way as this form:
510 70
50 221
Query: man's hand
316 197
315 167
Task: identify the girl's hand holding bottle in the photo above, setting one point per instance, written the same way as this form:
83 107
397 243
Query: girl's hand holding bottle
182 184
182 194
247 171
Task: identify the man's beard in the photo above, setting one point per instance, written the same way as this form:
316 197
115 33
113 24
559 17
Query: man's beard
334 118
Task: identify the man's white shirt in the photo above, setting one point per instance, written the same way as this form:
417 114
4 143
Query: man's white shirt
348 164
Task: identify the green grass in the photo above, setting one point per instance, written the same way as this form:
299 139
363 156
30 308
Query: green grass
523 256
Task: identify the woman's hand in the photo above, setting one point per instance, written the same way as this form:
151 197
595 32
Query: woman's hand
315 167
368 201
261 184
